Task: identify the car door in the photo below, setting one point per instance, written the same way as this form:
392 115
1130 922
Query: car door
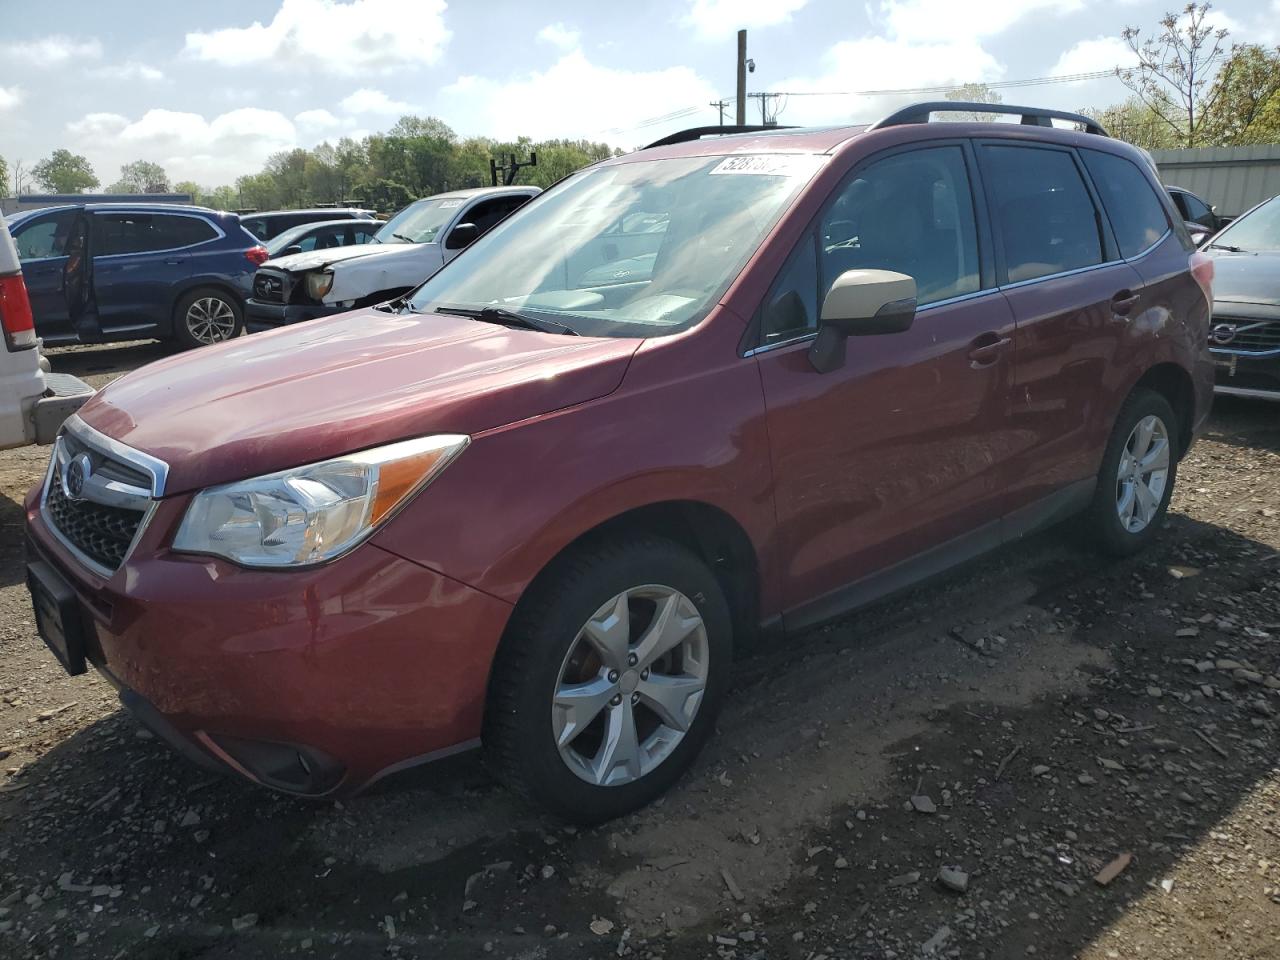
42 242
1071 295
141 260
901 449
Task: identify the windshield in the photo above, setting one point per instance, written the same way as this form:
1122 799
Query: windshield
1256 232
419 222
630 250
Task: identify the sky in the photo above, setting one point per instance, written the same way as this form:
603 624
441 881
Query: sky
209 91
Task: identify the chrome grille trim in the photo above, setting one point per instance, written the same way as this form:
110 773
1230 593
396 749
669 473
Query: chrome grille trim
114 485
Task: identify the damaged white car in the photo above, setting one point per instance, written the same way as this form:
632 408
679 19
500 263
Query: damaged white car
410 247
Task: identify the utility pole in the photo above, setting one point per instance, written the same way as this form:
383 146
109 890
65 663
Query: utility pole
719 105
765 119
742 78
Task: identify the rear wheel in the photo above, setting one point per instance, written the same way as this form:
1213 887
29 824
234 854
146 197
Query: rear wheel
1137 476
610 678
205 316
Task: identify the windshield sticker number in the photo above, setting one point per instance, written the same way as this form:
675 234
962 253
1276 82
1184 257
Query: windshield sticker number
769 164
450 204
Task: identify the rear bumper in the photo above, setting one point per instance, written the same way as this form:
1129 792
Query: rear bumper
64 395
260 316
312 682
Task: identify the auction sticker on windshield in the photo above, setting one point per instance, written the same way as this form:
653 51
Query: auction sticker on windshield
766 164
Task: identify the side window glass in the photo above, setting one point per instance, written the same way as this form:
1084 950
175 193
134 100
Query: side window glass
257 227
1043 211
1137 216
1198 211
173 232
913 213
791 308
46 237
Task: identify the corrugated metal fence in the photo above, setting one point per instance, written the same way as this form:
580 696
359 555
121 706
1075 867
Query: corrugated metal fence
1232 179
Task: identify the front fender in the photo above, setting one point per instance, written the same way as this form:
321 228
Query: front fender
358 278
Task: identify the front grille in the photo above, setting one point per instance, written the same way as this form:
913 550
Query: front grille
270 287
107 466
100 532
1243 335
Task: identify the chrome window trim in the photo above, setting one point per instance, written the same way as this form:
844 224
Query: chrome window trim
112 493
159 213
1138 256
765 348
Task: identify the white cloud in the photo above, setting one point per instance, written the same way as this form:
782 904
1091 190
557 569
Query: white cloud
570 98
187 145
130 70
566 38
722 19
366 100
949 21
1091 56
316 120
52 50
332 36
10 97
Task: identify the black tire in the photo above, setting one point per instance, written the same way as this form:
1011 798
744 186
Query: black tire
1105 526
519 741
187 325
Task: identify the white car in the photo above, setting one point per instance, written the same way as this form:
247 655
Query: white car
33 401
410 247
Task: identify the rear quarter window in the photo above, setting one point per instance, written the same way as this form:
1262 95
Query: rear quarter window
1137 216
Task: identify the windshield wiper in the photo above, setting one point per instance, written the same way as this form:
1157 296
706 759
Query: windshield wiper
509 318
401 236
398 305
1226 246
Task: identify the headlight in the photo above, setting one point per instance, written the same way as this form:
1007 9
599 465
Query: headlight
318 284
314 513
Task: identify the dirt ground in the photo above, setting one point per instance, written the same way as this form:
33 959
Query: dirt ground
1022 723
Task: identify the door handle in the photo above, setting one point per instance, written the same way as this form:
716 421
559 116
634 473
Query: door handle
1123 302
986 349
175 261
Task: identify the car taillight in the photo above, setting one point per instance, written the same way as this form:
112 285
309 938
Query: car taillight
1202 270
15 314
257 255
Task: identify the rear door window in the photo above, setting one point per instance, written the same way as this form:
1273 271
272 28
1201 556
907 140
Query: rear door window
1137 216
1043 211
122 233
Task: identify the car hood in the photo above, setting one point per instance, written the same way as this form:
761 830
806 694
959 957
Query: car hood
314 259
1246 277
316 390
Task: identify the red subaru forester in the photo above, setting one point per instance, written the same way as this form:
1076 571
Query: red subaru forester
725 384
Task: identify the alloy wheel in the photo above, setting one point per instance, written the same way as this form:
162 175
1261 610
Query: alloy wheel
1142 474
631 685
210 320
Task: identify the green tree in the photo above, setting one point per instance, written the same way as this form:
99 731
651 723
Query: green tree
257 191
1174 70
4 178
141 176
1137 123
222 198
191 187
64 172
1245 101
974 93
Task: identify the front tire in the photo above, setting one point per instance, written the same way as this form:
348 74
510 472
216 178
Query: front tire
206 316
1137 476
609 679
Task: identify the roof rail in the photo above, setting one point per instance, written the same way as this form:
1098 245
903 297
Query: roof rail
1032 116
697 133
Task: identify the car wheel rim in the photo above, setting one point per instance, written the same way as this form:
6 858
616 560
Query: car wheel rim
210 320
631 685
1142 474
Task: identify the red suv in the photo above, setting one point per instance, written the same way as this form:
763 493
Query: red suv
722 385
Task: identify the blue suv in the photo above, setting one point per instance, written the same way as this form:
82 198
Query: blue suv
100 272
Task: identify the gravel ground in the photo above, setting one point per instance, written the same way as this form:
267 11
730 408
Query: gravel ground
1044 754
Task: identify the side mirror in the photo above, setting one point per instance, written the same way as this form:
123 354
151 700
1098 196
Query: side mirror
463 235
292 249
861 303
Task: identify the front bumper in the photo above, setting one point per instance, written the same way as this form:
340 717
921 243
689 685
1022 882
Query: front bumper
1247 375
260 316
312 681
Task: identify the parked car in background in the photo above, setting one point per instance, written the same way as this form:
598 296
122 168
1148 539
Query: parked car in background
411 246
271 223
325 235
33 401
1245 338
536 512
105 272
1201 219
